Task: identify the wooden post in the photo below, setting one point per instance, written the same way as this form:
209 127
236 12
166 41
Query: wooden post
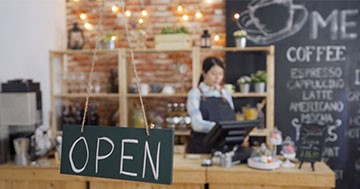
270 66
52 97
64 70
122 78
196 66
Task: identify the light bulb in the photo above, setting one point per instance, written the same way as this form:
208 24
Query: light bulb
141 21
209 1
88 26
83 16
216 37
127 13
76 1
114 8
185 17
179 8
236 16
113 38
198 14
144 13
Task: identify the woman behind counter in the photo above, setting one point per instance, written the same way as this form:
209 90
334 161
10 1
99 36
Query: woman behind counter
208 104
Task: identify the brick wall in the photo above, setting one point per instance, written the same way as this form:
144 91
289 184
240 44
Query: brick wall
161 13
152 67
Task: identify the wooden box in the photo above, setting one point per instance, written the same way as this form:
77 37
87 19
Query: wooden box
173 41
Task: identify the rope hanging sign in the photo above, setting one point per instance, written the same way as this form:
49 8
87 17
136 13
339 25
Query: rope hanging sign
117 152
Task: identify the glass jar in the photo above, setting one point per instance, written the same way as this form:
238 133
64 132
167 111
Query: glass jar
250 113
138 118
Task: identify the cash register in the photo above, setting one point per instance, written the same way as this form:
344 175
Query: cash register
228 136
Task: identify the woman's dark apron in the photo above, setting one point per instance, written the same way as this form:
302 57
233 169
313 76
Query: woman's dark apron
212 109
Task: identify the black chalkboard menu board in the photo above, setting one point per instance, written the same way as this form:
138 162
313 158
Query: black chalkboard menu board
317 70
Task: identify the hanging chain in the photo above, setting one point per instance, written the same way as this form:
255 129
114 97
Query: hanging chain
94 57
93 65
135 70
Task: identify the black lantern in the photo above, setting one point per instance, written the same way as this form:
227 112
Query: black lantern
205 39
76 37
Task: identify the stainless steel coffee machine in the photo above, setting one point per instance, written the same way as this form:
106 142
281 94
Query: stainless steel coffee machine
20 114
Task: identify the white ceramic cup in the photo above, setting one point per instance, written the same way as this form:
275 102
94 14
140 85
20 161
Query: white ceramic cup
168 89
144 89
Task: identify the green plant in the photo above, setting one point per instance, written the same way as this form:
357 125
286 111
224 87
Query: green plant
244 79
259 77
239 33
172 30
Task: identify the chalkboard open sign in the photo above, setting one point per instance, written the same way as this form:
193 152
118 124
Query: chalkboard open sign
311 143
118 153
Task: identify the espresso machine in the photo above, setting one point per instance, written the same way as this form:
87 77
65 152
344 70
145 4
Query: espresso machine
20 114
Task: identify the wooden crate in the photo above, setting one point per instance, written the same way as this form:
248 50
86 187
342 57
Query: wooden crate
173 41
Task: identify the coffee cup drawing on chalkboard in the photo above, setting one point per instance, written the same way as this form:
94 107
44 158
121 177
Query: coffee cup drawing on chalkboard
268 21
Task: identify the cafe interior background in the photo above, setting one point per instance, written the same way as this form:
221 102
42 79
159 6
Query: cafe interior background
316 66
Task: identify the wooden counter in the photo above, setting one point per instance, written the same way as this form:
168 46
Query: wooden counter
242 176
188 174
32 177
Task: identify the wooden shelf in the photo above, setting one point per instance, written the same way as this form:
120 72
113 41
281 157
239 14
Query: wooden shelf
125 71
80 95
182 132
245 95
179 149
158 50
259 132
59 133
86 51
176 133
115 51
267 49
160 95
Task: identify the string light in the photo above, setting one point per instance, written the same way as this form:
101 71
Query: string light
83 16
198 14
127 13
185 17
236 16
88 26
141 21
144 13
179 8
216 37
114 8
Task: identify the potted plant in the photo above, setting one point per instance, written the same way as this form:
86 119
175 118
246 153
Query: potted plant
240 38
109 40
244 83
173 38
259 78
